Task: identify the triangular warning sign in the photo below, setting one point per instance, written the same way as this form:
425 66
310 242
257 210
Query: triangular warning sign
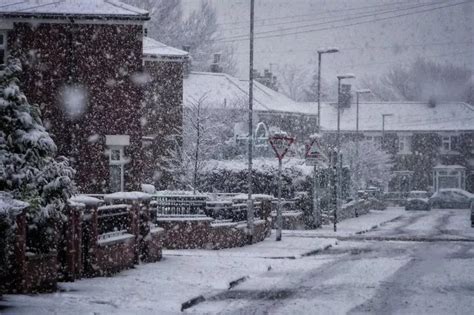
314 152
281 144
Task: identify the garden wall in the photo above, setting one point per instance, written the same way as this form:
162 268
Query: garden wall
292 220
200 232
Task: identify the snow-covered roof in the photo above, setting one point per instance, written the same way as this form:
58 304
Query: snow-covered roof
87 9
154 48
407 116
222 90
450 167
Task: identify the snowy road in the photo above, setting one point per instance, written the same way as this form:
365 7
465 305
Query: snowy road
429 272
386 262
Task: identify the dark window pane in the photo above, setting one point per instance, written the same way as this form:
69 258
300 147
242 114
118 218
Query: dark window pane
115 155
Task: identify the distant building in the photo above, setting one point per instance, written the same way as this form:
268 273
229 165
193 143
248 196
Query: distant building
432 146
271 108
83 60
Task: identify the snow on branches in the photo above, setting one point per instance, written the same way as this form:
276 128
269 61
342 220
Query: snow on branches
29 170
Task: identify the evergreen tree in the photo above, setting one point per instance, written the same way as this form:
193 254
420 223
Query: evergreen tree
29 170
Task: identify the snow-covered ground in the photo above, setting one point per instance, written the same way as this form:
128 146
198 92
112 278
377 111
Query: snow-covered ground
162 287
353 226
295 275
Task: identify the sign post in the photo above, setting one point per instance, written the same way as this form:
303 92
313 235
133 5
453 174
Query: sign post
315 157
280 143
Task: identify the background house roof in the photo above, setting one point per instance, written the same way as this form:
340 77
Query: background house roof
71 8
407 116
222 90
154 48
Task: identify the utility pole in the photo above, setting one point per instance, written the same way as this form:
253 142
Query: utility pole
250 212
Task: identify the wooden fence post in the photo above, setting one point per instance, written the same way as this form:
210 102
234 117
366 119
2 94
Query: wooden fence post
20 252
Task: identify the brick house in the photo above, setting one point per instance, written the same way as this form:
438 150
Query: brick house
81 58
165 67
432 144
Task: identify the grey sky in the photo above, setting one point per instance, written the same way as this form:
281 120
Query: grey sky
444 34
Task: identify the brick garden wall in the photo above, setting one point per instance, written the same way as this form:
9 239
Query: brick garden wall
201 233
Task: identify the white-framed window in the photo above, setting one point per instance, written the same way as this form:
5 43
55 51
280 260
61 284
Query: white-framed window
375 138
446 143
3 47
404 144
117 163
117 160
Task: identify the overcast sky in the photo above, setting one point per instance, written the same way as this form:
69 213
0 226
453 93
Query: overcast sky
441 30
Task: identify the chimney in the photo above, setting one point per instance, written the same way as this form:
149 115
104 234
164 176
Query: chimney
216 64
345 96
187 66
432 102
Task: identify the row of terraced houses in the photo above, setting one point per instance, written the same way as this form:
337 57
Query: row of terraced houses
135 89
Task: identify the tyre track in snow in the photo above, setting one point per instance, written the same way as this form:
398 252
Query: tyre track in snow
418 278
319 282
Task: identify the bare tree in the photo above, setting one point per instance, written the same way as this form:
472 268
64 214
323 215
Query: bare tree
294 81
425 81
300 83
198 32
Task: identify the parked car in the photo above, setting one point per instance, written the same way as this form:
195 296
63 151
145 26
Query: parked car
396 198
472 214
418 200
452 198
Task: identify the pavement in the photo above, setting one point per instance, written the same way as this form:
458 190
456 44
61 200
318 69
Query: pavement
386 262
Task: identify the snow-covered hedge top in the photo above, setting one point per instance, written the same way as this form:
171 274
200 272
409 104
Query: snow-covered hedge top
254 197
10 205
75 204
127 195
86 200
262 164
149 189
178 193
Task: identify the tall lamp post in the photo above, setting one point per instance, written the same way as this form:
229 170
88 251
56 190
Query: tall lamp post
250 212
338 145
320 53
316 179
358 93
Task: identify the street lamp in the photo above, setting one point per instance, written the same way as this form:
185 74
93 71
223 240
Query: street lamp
338 145
358 93
316 182
320 53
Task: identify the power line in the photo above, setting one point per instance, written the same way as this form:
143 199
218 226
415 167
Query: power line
405 62
321 13
342 49
346 17
347 25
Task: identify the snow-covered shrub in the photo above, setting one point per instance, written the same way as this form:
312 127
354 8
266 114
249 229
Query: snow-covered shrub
372 167
29 168
230 176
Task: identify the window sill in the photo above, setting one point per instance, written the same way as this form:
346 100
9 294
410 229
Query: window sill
449 152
